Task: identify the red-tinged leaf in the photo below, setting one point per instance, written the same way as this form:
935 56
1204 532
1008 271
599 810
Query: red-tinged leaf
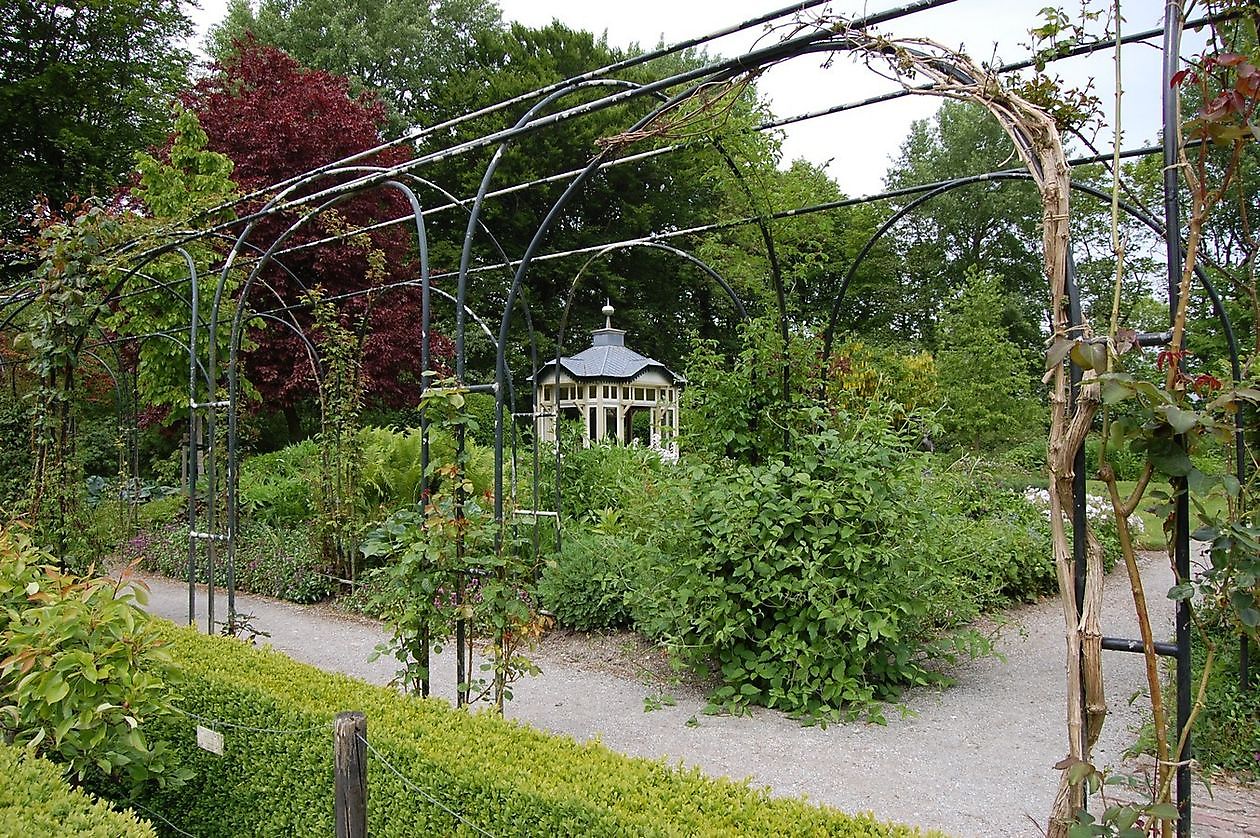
1180 76
1230 59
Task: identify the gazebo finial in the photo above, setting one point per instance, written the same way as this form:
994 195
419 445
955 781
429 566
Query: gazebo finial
608 313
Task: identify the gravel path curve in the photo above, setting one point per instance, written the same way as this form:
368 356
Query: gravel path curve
972 760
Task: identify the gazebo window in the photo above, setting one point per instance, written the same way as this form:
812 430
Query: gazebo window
638 394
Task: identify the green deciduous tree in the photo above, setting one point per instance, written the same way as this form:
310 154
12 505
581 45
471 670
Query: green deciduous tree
993 227
186 182
83 86
401 49
981 371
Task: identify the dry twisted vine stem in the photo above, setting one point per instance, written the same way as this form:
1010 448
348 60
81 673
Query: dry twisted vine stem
707 106
1036 138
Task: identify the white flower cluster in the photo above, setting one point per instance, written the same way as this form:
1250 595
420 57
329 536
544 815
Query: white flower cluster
1096 508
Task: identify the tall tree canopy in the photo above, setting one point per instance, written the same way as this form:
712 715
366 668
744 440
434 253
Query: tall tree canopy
994 228
661 300
83 87
400 49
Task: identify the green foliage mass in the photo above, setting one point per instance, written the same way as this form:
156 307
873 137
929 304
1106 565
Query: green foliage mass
1227 733
282 486
503 777
273 559
981 372
735 409
991 227
805 584
402 50
806 549
83 86
15 460
279 486
85 676
990 545
176 189
36 800
585 584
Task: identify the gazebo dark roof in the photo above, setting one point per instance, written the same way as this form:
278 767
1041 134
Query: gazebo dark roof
609 359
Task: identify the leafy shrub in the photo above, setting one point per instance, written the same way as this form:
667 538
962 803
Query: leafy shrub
803 584
600 478
283 486
988 543
15 455
97 442
481 407
85 675
862 373
1029 456
735 408
35 800
279 486
271 559
506 778
585 584
164 510
391 465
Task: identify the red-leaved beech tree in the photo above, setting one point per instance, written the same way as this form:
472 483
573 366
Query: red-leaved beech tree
276 119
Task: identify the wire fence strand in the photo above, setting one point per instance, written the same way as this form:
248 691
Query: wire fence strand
153 814
217 723
420 791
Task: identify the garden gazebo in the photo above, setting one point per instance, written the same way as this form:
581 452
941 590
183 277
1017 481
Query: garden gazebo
604 387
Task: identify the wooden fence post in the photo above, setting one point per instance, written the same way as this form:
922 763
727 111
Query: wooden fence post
350 771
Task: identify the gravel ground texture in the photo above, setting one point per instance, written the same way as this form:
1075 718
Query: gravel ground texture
975 759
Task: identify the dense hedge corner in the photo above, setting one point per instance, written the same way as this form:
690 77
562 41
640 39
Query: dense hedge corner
275 775
36 800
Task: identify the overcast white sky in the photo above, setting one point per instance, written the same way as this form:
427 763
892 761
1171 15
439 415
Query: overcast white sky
856 146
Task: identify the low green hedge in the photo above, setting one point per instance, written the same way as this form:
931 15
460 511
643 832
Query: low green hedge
504 777
36 800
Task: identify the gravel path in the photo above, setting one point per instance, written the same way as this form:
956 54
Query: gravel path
972 760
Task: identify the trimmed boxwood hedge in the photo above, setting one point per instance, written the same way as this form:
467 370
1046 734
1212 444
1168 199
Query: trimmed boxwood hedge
504 777
35 799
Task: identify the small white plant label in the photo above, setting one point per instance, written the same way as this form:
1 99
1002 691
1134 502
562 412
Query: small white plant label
210 740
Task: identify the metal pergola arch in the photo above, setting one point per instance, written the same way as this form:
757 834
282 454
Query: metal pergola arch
387 177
